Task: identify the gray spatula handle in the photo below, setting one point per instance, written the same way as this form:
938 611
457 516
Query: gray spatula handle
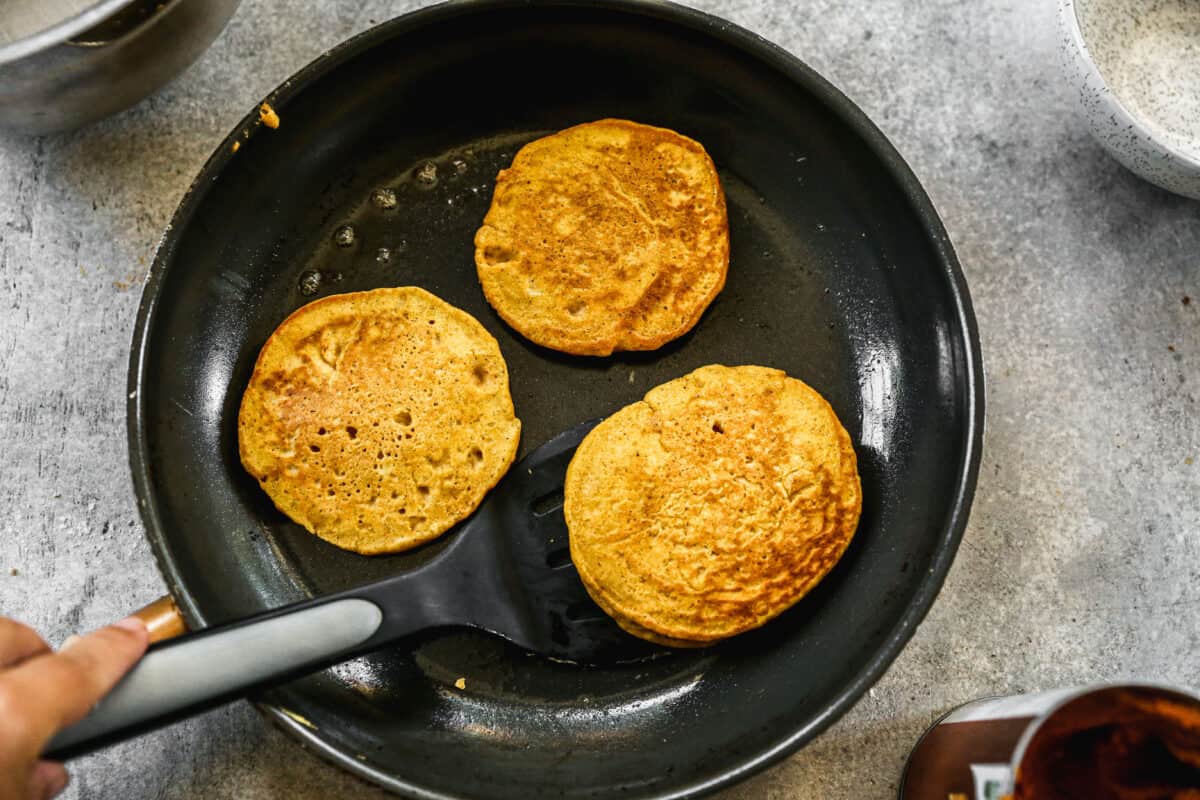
204 669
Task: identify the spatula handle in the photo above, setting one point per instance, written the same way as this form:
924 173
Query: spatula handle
202 670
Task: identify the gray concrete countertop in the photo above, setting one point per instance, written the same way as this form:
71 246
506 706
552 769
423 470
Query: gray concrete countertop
1082 559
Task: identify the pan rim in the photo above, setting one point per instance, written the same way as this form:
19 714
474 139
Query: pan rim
789 67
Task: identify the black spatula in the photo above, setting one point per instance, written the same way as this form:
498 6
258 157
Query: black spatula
507 570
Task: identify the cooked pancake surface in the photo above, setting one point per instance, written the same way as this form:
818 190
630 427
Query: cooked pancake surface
610 235
712 505
377 420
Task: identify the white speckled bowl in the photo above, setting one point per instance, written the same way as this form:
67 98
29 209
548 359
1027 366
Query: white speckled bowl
1136 64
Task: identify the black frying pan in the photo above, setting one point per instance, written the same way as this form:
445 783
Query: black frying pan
841 274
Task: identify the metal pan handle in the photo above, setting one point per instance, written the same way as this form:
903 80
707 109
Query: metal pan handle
162 619
198 671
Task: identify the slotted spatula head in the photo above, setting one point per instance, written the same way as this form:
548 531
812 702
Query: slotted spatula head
533 596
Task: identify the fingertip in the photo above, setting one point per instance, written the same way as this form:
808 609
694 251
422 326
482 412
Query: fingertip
134 631
115 646
48 780
130 630
135 626
59 779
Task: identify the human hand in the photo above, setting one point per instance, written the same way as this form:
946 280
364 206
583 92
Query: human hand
42 691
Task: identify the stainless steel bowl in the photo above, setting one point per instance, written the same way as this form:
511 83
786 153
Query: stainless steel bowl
96 58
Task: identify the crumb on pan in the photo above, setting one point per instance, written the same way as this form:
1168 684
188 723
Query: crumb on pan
268 116
236 146
461 683
302 720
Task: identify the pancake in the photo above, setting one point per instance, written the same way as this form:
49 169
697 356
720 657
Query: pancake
712 505
378 420
606 236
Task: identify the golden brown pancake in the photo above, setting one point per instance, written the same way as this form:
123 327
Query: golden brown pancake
606 236
712 505
377 420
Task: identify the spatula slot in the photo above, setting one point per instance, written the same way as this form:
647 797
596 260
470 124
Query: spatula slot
558 558
584 611
547 503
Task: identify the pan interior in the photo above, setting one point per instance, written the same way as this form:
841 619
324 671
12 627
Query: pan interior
837 276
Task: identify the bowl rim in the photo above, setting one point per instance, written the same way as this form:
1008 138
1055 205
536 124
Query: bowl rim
1092 75
61 31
